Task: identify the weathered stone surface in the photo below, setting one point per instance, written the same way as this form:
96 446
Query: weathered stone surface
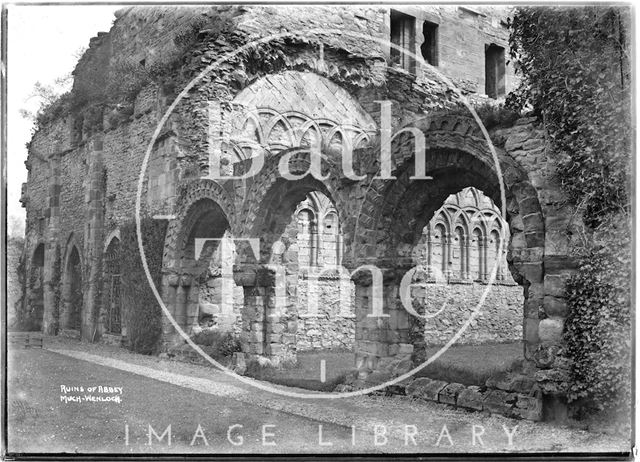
499 402
425 388
84 170
449 394
471 398
528 407
550 330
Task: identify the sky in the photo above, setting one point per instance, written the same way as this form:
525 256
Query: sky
42 45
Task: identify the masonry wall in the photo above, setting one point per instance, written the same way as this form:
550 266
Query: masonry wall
181 149
450 306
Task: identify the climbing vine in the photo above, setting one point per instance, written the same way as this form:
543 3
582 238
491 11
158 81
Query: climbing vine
598 330
575 70
142 313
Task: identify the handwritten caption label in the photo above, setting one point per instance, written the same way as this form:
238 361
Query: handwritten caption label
92 394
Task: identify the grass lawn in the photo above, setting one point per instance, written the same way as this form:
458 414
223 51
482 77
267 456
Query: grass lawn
466 364
472 364
306 373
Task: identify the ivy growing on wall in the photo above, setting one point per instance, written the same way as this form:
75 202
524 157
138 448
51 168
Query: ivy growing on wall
574 64
575 70
142 313
598 329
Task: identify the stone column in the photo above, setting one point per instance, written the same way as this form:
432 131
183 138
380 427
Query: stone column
429 257
467 261
269 317
182 298
192 307
447 255
94 229
170 283
50 323
483 258
383 348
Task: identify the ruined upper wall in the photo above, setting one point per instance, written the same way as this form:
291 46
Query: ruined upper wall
148 35
144 37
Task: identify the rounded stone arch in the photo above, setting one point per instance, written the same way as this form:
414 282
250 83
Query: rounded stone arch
194 191
269 216
203 211
35 285
331 216
72 316
395 211
455 148
269 186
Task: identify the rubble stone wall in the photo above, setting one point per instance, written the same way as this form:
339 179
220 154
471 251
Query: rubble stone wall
498 319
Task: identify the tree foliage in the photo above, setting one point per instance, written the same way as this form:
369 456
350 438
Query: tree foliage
574 64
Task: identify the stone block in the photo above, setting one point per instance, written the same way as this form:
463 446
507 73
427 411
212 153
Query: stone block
531 328
449 394
275 349
471 398
209 309
256 348
528 407
550 330
532 272
275 328
405 349
554 306
499 402
402 367
512 382
397 389
425 388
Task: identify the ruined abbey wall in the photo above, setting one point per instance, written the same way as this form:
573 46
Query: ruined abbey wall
291 94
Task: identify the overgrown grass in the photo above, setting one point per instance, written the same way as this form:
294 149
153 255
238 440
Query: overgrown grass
306 373
224 343
466 364
472 364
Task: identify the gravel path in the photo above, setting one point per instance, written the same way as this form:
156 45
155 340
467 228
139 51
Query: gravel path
365 413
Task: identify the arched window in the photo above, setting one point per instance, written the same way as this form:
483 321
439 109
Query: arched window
306 240
439 246
458 256
112 303
331 239
72 295
36 287
493 257
475 257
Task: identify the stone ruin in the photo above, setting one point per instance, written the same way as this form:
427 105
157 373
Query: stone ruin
314 89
